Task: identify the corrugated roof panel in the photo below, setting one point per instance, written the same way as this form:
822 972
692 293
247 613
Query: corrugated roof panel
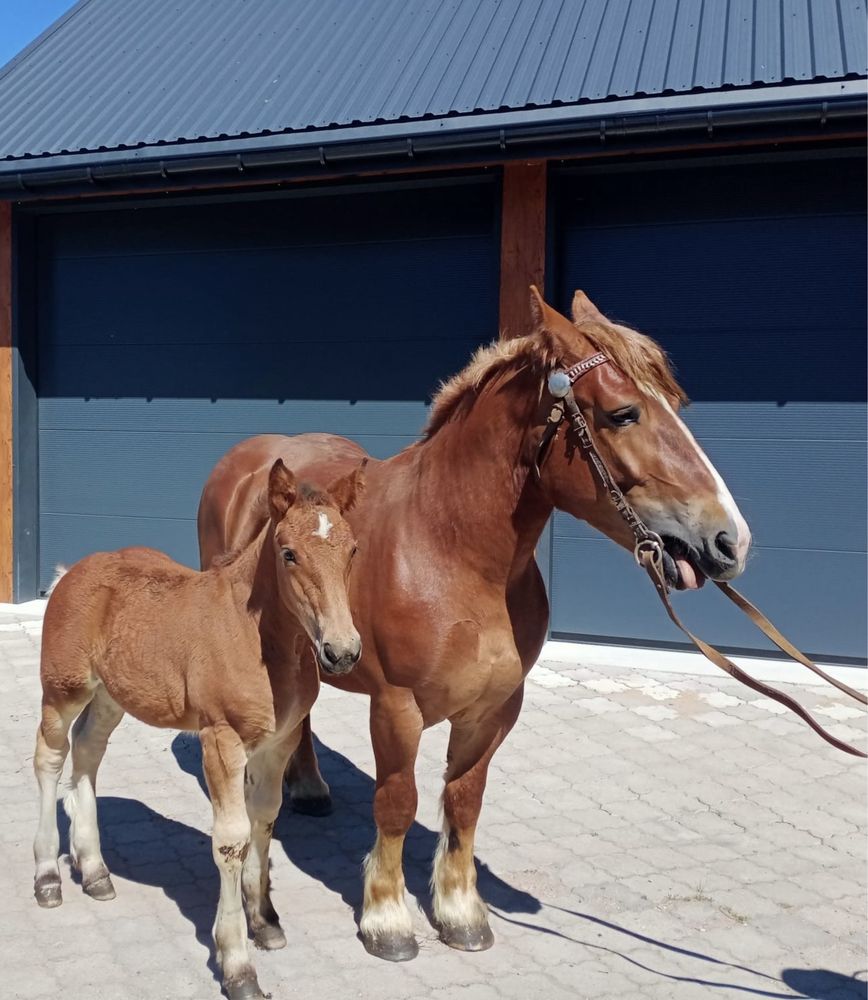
767 43
598 82
798 60
711 47
683 49
113 74
655 59
738 65
625 78
853 35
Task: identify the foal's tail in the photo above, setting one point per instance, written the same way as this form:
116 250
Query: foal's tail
59 571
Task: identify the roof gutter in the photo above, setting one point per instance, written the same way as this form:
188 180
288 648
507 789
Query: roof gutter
815 110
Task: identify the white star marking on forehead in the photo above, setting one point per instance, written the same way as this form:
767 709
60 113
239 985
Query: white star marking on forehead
325 526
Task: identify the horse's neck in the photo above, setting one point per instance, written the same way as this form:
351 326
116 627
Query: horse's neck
475 488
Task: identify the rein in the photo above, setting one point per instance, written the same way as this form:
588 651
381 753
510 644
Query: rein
648 552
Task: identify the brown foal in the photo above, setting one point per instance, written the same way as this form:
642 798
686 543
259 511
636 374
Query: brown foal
226 652
448 596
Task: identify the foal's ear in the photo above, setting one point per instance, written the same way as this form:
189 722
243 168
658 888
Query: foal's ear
348 490
584 310
282 490
557 330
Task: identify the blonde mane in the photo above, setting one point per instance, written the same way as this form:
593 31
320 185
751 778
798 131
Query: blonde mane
639 357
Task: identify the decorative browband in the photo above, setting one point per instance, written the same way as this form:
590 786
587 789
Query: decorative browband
581 368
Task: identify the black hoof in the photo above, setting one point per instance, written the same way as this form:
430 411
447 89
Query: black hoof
269 937
468 938
47 891
314 805
100 888
244 988
391 949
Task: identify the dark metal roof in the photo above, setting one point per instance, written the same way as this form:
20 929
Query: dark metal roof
122 74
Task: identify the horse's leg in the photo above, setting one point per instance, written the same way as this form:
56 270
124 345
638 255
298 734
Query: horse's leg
52 746
264 791
460 913
387 925
224 760
90 736
308 792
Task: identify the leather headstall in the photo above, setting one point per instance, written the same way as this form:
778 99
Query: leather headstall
648 551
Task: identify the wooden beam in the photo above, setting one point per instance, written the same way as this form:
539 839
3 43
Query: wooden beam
6 408
522 243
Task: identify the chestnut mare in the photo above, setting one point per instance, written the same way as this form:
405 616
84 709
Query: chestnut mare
226 653
448 596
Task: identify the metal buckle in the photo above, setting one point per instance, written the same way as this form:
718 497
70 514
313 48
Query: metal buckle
651 545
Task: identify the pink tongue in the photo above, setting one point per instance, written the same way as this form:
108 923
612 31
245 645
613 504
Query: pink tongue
688 575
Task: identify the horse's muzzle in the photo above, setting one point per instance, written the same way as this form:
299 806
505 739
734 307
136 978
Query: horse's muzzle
340 657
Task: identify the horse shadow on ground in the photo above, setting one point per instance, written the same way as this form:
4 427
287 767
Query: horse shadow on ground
143 846
332 849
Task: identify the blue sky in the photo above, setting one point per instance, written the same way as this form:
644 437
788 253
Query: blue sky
22 20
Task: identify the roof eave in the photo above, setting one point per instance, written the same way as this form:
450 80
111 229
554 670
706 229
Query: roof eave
604 120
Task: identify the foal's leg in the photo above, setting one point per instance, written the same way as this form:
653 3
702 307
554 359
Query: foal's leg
224 759
264 791
52 746
308 791
460 913
90 736
387 925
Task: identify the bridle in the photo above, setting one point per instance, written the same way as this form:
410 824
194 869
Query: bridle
648 549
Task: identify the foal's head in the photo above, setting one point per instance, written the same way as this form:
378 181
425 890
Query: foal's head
313 548
631 405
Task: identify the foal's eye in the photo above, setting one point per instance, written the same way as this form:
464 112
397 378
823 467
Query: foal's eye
288 556
626 415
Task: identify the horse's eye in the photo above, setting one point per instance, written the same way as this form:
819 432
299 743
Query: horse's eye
626 415
355 550
288 555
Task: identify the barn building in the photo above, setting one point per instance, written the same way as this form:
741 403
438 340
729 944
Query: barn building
220 218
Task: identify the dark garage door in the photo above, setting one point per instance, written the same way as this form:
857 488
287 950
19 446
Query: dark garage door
168 334
753 278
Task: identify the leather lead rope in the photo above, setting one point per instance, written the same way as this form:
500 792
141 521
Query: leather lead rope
649 555
784 644
654 568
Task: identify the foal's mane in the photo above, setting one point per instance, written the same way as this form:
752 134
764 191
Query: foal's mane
639 357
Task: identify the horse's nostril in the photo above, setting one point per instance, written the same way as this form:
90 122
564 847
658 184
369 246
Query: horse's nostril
330 653
725 546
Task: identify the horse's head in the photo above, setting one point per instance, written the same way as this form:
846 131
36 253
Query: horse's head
631 406
313 549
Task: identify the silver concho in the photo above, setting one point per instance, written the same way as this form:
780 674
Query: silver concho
559 384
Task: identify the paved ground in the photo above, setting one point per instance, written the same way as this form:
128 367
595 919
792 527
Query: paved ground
643 837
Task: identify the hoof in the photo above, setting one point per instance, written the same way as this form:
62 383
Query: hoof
391 949
100 888
269 937
244 988
47 891
314 805
468 938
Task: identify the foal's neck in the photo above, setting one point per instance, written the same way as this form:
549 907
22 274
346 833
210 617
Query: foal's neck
253 576
475 485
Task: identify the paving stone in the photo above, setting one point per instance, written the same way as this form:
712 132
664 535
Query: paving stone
632 845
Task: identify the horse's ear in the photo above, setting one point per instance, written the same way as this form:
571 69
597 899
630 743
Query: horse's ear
537 307
584 310
347 491
282 490
558 331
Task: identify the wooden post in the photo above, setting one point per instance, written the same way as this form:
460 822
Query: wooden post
522 243
5 401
